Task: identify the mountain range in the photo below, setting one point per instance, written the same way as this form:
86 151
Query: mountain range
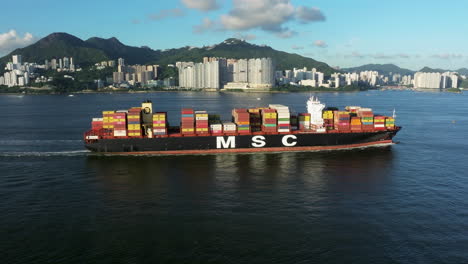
93 50
381 68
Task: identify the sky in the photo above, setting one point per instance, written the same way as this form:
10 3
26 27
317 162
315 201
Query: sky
343 33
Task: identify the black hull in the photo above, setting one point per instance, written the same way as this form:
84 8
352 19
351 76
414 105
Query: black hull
241 143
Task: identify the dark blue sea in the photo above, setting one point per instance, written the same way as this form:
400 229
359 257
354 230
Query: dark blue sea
407 203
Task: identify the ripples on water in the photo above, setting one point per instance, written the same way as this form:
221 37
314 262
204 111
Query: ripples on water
401 204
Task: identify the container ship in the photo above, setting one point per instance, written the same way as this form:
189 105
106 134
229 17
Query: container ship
140 130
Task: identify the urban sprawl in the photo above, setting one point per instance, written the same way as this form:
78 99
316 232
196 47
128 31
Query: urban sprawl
221 73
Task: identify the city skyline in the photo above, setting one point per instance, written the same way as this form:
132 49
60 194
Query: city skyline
408 34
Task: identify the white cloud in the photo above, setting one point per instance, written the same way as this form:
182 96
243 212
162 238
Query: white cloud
286 33
447 56
165 13
306 14
12 40
245 36
203 5
294 47
320 44
207 24
267 15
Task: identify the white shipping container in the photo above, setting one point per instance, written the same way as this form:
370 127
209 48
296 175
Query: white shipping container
97 119
120 133
365 110
321 130
201 118
157 130
283 122
379 125
122 111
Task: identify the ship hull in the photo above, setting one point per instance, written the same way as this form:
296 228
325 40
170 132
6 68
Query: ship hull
242 143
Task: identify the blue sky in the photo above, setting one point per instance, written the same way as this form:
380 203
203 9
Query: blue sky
343 33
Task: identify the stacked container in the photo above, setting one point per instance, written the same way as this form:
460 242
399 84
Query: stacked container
255 120
120 124
304 121
352 109
97 124
160 123
242 119
284 117
108 119
229 127
134 122
379 123
216 127
328 119
294 122
356 124
367 118
390 122
187 125
201 122
342 120
269 120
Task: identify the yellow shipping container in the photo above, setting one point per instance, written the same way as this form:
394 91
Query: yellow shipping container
269 115
159 125
187 129
133 127
107 112
133 116
201 115
202 129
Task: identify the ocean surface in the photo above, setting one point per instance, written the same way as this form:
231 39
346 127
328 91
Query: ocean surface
407 203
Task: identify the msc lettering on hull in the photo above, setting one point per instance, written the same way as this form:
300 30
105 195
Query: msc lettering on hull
256 141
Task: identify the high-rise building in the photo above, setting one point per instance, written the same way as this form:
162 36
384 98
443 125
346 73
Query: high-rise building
429 80
60 63
121 62
66 63
17 59
53 64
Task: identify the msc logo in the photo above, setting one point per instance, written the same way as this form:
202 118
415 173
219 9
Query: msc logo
257 141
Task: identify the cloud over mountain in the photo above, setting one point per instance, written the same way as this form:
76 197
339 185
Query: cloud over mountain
202 5
12 40
267 15
320 44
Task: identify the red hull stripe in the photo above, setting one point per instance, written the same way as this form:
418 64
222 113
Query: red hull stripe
253 150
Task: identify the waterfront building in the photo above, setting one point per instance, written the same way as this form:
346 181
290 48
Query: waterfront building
216 73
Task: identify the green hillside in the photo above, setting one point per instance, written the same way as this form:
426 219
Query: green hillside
58 45
98 49
381 68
